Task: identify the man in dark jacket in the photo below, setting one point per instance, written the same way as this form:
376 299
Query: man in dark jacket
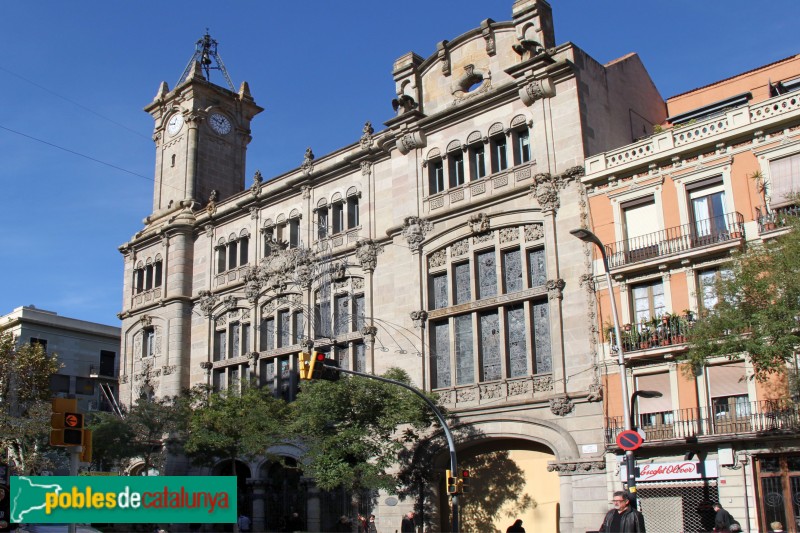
623 518
723 519
408 525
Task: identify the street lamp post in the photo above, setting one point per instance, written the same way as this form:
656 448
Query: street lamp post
642 394
630 460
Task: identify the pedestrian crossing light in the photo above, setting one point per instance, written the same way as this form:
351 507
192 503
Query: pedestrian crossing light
464 481
452 483
66 428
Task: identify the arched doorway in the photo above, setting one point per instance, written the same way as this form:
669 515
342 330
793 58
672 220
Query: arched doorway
284 494
244 503
508 481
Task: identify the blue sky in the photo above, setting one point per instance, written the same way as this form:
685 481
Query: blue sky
77 75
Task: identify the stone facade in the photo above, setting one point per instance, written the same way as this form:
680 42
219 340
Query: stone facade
439 245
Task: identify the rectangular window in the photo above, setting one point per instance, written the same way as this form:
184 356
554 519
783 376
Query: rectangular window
465 364
435 176
268 375
149 342
283 328
522 147
463 279
322 222
269 236
268 334
107 362
148 277
219 379
353 220
517 344
342 318
455 163
487 274
438 295
784 177
280 232
640 219
708 211
490 346
298 325
338 217
342 354
294 233
59 384
477 162
285 379
537 266
512 271
648 301
39 342
232 256
499 157
158 274
727 385
140 281
244 244
233 377
245 338
360 315
220 345
236 345
541 337
361 357
221 259
440 331
322 319
84 386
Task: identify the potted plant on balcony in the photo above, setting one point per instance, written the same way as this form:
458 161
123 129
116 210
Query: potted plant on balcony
768 223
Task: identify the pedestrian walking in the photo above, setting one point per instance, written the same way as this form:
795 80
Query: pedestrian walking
407 525
372 528
516 527
723 521
623 518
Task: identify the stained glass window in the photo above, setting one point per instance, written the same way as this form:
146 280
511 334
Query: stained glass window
538 267
541 337
463 279
465 366
438 291
517 345
490 346
441 354
487 274
283 328
512 271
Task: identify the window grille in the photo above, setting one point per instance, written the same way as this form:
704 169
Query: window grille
686 506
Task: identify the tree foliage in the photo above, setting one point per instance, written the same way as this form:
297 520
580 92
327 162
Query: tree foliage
351 430
25 373
230 424
758 309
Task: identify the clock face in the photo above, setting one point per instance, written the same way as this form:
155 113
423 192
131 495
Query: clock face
175 124
220 123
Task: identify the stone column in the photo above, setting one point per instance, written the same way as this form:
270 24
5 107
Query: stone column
313 506
566 516
259 520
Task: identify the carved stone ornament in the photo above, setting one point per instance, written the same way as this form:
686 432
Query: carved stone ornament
367 252
258 179
414 230
211 206
587 281
546 186
555 288
595 392
419 318
207 366
306 190
230 302
369 333
536 90
561 406
286 265
366 138
577 467
304 267
307 345
479 223
534 232
145 321
252 284
338 271
308 162
410 141
168 369
366 168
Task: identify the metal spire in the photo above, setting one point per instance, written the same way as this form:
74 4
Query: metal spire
205 52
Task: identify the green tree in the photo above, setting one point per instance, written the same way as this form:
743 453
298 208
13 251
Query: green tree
151 421
113 440
230 424
355 429
25 373
758 309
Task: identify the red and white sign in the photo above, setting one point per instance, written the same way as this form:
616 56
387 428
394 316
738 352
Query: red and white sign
672 471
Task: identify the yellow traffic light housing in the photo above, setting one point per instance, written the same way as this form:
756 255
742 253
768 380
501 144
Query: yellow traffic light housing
66 423
463 483
86 453
304 365
452 483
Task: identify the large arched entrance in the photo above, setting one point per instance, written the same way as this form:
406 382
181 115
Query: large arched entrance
284 495
508 481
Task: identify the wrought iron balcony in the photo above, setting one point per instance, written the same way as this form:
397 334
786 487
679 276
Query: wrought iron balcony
777 218
665 331
762 418
676 240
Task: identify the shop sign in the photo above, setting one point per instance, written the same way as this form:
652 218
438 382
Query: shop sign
679 470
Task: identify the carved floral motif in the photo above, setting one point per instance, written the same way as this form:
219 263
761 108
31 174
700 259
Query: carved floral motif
479 223
367 252
414 230
419 318
534 232
561 406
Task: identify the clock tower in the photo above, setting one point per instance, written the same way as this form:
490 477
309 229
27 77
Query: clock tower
201 133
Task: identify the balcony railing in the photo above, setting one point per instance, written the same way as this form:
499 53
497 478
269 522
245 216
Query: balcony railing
756 418
667 331
675 240
777 218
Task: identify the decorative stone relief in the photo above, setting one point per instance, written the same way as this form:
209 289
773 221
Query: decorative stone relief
211 206
479 223
437 259
245 314
419 318
369 333
258 180
536 90
516 388
546 187
509 235
207 366
587 281
307 345
366 138
146 321
253 213
459 248
252 284
577 467
206 302
555 288
414 230
367 252
595 391
411 141
306 191
366 168
338 271
483 237
543 384
492 390
444 56
358 283
209 230
308 162
488 36
465 395
230 302
561 406
168 369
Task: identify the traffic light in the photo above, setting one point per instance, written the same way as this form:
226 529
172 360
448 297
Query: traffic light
66 429
304 365
317 365
328 373
464 481
86 453
452 483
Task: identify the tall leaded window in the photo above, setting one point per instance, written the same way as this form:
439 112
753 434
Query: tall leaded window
298 326
342 316
504 339
360 355
360 312
284 328
220 345
267 341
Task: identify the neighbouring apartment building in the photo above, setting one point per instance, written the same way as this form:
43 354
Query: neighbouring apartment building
439 244
87 352
671 208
